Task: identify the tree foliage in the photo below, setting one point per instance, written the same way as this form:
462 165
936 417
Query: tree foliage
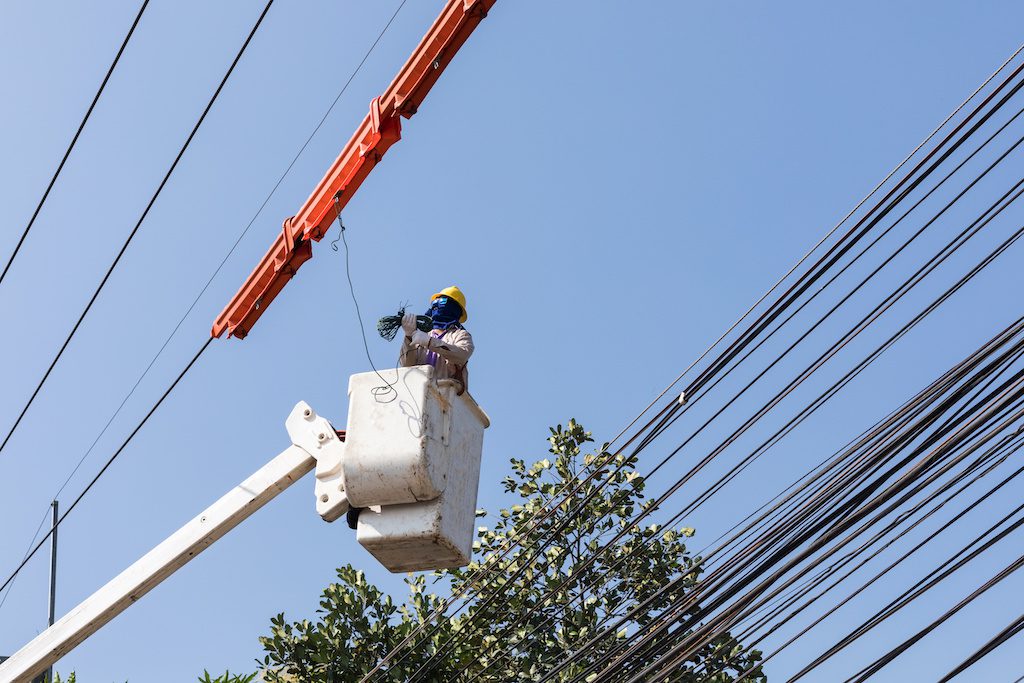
523 618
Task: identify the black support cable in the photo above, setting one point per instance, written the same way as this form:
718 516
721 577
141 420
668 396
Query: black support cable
972 229
876 666
919 468
209 280
748 636
74 140
1017 328
988 538
110 461
689 641
975 128
999 454
661 499
138 224
1015 627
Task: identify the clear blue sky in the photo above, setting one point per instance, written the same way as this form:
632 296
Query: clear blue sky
612 184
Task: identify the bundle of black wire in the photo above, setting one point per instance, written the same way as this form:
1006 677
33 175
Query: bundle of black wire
389 325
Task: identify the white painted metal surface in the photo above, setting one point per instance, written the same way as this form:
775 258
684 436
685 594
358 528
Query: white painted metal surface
422 451
399 451
393 448
159 563
428 440
316 435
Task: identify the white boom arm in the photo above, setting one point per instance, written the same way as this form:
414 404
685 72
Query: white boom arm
313 439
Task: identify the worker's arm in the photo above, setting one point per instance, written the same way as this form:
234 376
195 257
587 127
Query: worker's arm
457 349
408 355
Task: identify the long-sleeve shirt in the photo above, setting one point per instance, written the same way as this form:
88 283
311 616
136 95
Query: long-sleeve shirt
449 353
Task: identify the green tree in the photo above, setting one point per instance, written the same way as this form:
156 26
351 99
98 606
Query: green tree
532 622
227 677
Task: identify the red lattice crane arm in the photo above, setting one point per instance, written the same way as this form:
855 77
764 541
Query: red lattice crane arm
379 130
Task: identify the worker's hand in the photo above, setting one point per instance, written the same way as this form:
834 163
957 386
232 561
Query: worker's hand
409 324
421 338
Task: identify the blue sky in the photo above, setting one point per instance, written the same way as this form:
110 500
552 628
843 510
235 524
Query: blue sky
612 185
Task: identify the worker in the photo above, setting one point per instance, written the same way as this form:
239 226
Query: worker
447 346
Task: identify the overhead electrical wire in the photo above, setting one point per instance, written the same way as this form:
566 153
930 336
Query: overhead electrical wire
846 513
110 461
422 626
202 291
688 642
138 224
654 506
1015 627
876 666
975 128
750 636
74 140
984 466
987 463
999 455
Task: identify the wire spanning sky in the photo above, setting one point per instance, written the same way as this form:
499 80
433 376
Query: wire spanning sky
623 184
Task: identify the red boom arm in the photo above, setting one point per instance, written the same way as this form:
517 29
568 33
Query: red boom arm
380 129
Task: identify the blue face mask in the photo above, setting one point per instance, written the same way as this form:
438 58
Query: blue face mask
445 311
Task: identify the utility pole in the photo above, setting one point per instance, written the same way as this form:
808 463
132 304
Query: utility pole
53 578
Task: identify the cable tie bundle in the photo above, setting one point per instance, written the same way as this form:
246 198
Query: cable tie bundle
389 325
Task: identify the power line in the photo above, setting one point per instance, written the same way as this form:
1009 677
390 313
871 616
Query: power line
898 198
209 281
138 224
1017 329
74 139
825 237
972 229
940 159
109 462
1015 627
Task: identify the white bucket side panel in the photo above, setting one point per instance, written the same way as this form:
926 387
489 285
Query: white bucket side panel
393 449
438 533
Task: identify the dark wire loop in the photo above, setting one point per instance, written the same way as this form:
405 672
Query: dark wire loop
385 393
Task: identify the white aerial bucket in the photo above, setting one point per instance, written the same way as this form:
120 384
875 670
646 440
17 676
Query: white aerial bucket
414 462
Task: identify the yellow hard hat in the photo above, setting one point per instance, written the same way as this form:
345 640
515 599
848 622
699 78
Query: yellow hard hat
454 293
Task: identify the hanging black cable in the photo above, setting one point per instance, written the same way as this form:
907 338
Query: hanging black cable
74 139
109 462
1015 627
834 528
895 652
612 626
138 224
975 128
660 500
975 226
772 618
210 280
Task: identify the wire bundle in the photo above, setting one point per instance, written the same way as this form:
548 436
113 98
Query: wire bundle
792 554
388 326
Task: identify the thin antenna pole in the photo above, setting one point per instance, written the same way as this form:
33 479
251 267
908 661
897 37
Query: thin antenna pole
53 579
